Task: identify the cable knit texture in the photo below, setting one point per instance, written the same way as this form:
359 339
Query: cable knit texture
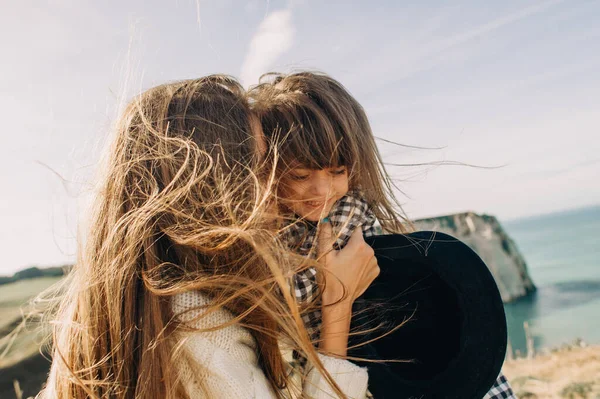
224 364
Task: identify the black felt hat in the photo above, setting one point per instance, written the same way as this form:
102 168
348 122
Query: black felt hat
454 337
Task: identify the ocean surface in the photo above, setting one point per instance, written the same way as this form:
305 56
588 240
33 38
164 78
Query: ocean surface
562 251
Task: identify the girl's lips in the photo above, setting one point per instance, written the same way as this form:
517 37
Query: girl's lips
315 204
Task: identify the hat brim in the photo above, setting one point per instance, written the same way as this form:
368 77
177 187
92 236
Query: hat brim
453 340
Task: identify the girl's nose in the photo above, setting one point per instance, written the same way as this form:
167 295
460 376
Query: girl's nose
321 185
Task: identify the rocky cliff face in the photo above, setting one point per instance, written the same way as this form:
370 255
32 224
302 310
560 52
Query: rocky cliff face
485 236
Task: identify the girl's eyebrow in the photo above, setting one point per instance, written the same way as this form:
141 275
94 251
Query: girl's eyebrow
297 165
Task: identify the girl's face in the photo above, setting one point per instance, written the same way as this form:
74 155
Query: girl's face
311 193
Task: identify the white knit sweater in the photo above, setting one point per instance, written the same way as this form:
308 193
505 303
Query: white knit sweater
224 364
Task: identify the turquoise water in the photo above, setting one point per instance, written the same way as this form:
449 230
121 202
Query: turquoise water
562 251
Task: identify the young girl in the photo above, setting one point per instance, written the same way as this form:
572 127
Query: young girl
330 170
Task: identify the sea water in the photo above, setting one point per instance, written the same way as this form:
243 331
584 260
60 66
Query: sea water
562 251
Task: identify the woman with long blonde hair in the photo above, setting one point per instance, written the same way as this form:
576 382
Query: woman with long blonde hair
182 289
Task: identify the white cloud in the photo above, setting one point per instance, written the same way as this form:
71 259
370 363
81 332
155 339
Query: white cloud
274 36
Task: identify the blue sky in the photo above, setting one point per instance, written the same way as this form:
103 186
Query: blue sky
511 83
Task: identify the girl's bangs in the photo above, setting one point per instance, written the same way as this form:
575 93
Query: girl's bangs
315 144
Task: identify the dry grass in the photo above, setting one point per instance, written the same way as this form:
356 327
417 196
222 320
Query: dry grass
569 372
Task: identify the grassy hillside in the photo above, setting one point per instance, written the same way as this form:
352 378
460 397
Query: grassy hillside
34 273
15 295
22 361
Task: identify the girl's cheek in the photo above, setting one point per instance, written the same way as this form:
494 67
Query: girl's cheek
294 189
288 193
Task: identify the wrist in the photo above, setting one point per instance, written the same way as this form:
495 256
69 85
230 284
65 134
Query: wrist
334 295
337 307
335 328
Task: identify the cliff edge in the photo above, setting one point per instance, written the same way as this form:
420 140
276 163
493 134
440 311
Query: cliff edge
485 235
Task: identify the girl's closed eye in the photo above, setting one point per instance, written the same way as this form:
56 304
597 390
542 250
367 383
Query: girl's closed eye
299 175
303 175
338 171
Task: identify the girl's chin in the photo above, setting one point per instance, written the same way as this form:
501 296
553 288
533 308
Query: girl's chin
311 218
313 215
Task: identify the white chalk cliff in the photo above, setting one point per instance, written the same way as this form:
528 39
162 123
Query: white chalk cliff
485 236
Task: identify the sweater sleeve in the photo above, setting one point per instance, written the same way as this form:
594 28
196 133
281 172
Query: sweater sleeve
223 363
222 375
351 379
216 373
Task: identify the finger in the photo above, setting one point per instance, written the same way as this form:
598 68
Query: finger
372 268
375 270
372 272
356 239
325 239
369 278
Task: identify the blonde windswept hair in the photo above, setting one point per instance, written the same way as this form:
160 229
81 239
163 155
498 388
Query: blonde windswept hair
315 122
184 205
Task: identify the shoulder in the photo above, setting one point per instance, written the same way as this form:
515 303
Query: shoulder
220 357
204 323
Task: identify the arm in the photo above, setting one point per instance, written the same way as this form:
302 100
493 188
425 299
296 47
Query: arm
217 373
350 378
347 274
335 328
223 363
214 372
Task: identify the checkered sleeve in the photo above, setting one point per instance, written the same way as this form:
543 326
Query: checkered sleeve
371 228
306 291
500 390
349 213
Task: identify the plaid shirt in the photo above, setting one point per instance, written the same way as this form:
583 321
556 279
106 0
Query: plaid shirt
349 213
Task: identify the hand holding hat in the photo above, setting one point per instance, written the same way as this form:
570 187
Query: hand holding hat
453 340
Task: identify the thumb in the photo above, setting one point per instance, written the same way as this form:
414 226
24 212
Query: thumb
325 239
